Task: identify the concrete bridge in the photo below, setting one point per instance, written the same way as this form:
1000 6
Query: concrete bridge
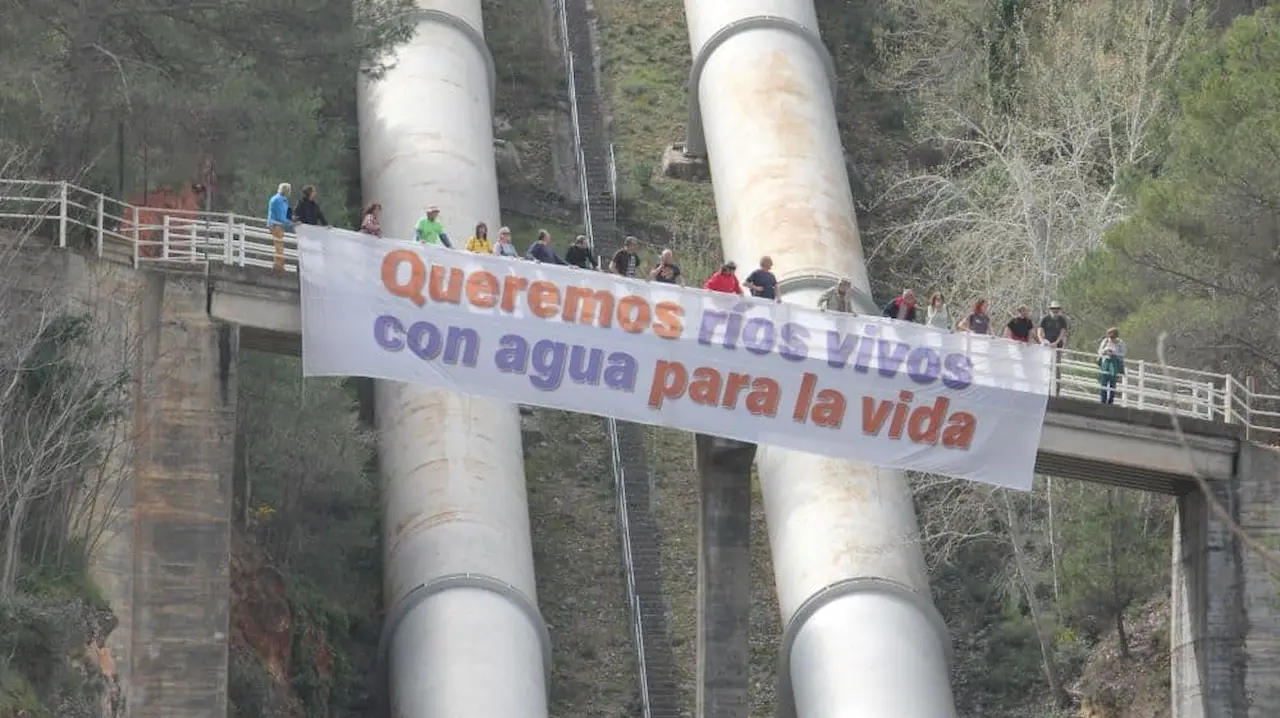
198 287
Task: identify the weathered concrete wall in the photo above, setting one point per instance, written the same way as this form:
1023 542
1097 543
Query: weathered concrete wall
185 424
1259 516
724 577
1225 624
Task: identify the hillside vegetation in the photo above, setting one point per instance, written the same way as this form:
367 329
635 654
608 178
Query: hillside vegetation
1117 155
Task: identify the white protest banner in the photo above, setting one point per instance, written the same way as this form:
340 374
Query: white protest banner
865 388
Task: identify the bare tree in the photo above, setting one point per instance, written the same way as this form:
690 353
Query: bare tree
65 438
1018 194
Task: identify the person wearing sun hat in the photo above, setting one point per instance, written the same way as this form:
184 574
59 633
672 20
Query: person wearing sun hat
1052 331
430 230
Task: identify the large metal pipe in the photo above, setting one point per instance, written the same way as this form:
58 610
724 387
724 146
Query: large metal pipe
463 635
862 637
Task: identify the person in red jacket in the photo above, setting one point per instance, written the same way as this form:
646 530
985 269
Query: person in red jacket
725 280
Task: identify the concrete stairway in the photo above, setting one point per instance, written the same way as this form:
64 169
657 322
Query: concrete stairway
591 127
638 523
646 563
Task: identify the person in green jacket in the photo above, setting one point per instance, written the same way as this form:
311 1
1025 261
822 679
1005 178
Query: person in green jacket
1110 364
430 230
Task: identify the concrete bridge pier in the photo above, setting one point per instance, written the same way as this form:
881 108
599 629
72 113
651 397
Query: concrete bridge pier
724 576
1225 622
184 422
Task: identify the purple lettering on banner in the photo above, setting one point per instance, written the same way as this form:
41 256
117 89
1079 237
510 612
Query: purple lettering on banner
733 330
513 356
868 345
793 342
710 322
464 342
460 344
759 336
924 365
958 372
838 354
585 365
387 331
888 362
424 340
622 372
547 361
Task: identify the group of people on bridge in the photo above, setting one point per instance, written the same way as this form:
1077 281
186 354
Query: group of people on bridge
1050 331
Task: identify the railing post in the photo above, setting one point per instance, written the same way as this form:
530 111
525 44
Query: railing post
164 238
102 218
1142 384
1228 400
227 232
136 237
1249 389
62 214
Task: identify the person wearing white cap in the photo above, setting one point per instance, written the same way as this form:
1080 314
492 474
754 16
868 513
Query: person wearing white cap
1052 331
430 230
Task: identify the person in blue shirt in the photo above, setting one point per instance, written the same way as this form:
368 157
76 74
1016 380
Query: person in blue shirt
762 282
279 221
542 251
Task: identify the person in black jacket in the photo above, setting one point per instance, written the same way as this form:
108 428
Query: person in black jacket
579 255
308 210
902 307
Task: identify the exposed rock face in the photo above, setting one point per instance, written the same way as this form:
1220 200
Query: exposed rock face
58 648
260 615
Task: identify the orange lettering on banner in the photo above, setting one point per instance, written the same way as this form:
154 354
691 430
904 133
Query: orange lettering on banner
671 381
545 299
482 290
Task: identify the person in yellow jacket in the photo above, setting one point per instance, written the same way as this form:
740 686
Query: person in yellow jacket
479 242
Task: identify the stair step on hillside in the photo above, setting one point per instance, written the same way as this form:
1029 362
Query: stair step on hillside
641 529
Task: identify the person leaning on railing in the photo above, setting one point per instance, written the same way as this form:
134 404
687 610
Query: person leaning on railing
279 222
308 210
504 247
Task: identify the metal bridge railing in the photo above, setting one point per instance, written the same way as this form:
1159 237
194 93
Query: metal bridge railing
140 235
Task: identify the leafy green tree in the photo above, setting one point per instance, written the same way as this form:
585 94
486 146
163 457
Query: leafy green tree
1198 259
201 90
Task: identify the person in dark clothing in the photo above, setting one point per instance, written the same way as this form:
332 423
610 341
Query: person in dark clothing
579 255
902 307
762 282
308 210
542 251
978 321
626 261
1019 328
1052 331
667 271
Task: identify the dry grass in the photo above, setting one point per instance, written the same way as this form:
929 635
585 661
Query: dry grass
530 88
645 61
675 474
579 569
